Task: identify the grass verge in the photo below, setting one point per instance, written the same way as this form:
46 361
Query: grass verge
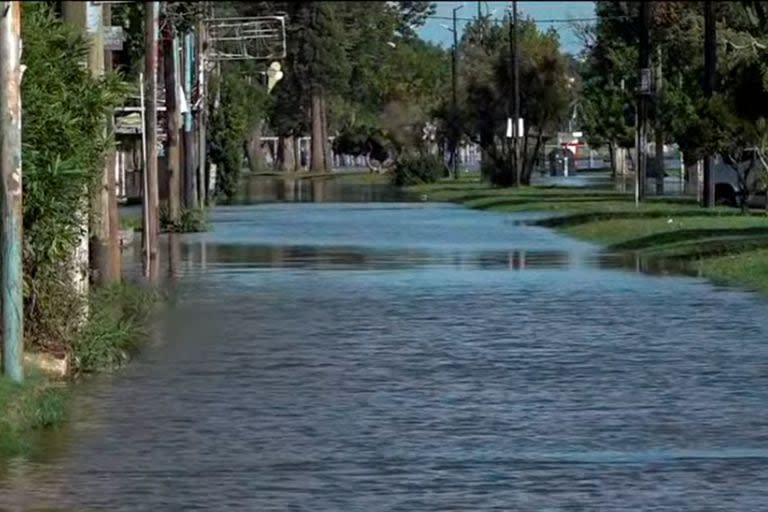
115 328
25 408
721 243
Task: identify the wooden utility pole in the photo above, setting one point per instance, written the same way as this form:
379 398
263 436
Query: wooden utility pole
173 116
10 172
516 94
644 90
190 167
151 222
201 114
710 67
658 132
455 101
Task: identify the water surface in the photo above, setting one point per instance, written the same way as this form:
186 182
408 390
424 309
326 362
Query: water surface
417 357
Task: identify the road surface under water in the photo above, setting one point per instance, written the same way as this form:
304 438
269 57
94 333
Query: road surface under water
417 357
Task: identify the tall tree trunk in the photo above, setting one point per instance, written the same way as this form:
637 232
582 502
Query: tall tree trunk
174 120
317 148
530 162
286 154
253 148
612 157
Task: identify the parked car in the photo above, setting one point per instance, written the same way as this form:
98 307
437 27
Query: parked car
744 179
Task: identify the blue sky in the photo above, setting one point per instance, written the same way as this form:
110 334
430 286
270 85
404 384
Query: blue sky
433 31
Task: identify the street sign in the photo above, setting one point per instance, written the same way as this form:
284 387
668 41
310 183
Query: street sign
114 38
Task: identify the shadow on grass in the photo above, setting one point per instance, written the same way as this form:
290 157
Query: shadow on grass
585 218
702 249
690 235
500 202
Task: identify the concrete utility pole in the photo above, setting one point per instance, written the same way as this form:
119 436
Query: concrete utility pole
88 17
173 116
710 67
114 265
10 171
151 194
190 168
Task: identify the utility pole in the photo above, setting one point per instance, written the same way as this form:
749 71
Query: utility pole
455 116
88 18
173 117
10 174
190 171
642 99
658 132
516 93
710 67
151 193
201 114
113 267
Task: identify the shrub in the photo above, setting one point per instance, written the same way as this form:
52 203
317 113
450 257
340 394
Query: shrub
64 145
115 327
193 220
415 170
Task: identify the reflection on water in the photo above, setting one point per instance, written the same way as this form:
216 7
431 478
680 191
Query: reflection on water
417 357
259 189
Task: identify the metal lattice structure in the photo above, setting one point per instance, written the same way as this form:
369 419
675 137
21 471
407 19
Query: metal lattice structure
255 38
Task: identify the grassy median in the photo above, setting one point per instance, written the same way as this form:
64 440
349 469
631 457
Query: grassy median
721 243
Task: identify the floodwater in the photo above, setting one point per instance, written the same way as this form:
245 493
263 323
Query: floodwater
418 357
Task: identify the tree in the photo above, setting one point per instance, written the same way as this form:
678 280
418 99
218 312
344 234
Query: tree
486 78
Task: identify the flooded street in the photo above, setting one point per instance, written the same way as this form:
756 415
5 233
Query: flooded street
359 356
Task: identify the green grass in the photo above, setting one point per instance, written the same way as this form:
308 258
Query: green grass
130 222
747 269
720 243
115 328
26 408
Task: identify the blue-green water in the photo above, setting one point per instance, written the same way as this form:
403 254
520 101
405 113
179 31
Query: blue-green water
418 357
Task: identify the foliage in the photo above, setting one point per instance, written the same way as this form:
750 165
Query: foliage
25 408
192 220
417 170
241 103
64 144
731 121
487 102
115 327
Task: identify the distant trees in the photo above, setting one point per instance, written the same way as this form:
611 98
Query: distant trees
486 94
732 120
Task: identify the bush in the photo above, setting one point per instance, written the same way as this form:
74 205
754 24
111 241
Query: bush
193 220
115 327
416 170
64 146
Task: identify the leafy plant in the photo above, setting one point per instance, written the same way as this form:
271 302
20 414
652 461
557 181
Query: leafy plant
115 327
64 145
192 220
417 169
